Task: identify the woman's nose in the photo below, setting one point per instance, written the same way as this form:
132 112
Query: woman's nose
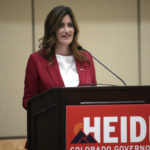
66 28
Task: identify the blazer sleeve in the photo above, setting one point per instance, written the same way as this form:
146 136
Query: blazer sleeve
31 81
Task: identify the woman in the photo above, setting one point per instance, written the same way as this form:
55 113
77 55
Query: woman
59 62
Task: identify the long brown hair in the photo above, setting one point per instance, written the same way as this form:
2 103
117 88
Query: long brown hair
52 23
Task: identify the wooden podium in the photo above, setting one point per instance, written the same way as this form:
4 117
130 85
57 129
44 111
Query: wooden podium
46 129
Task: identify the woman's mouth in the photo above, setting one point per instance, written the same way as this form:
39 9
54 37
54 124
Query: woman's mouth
66 35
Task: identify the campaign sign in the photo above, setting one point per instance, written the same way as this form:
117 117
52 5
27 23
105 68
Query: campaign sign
108 127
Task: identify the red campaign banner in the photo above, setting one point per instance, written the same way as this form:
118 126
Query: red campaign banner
108 127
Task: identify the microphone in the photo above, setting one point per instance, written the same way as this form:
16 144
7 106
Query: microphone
80 48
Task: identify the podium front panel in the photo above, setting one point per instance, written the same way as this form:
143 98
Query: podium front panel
108 127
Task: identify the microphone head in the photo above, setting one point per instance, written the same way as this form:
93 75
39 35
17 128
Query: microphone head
79 47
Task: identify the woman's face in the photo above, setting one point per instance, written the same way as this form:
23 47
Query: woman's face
65 33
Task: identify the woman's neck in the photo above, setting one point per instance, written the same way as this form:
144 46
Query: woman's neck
63 50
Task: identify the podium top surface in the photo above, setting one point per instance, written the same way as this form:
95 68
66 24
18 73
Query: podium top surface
95 95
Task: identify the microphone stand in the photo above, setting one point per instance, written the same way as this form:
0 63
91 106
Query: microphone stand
80 48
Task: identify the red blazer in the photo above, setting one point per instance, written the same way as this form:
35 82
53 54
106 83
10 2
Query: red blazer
41 75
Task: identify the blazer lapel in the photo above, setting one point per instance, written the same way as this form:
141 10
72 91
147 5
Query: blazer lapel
81 68
54 73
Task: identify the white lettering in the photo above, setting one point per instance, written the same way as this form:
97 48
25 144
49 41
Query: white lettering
95 129
137 127
108 129
87 148
147 147
124 129
133 130
131 147
136 147
92 148
97 148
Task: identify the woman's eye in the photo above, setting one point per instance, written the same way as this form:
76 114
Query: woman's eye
61 25
70 25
